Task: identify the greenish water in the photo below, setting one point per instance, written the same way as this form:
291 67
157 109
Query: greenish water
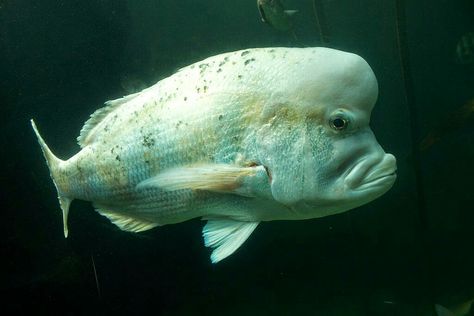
399 255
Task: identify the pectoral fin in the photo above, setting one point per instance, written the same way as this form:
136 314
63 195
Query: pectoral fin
212 177
226 236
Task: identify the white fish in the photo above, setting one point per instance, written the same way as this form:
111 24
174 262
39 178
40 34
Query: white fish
243 137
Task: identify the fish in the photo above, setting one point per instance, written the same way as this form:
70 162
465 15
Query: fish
450 123
236 139
461 309
273 13
465 49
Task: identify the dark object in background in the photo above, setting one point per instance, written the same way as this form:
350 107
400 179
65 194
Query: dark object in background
465 49
320 19
449 124
273 13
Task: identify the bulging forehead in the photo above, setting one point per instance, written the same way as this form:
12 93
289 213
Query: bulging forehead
323 79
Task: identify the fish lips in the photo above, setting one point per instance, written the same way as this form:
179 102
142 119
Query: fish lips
369 175
384 181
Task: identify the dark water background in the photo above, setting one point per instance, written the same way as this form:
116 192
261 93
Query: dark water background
411 248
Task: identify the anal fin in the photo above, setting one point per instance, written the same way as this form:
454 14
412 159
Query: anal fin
127 223
226 236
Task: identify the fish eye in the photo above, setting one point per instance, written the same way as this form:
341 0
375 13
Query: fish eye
339 123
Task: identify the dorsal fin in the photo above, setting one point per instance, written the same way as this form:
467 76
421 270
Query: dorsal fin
87 131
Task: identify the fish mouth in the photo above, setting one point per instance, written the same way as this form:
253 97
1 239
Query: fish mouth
367 175
385 180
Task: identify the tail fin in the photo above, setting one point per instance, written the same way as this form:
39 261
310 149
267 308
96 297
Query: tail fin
54 166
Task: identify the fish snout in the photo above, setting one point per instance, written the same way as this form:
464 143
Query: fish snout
372 173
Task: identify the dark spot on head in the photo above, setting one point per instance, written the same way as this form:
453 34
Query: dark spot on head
220 117
239 76
219 70
205 89
203 67
249 61
117 158
245 52
148 141
185 98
